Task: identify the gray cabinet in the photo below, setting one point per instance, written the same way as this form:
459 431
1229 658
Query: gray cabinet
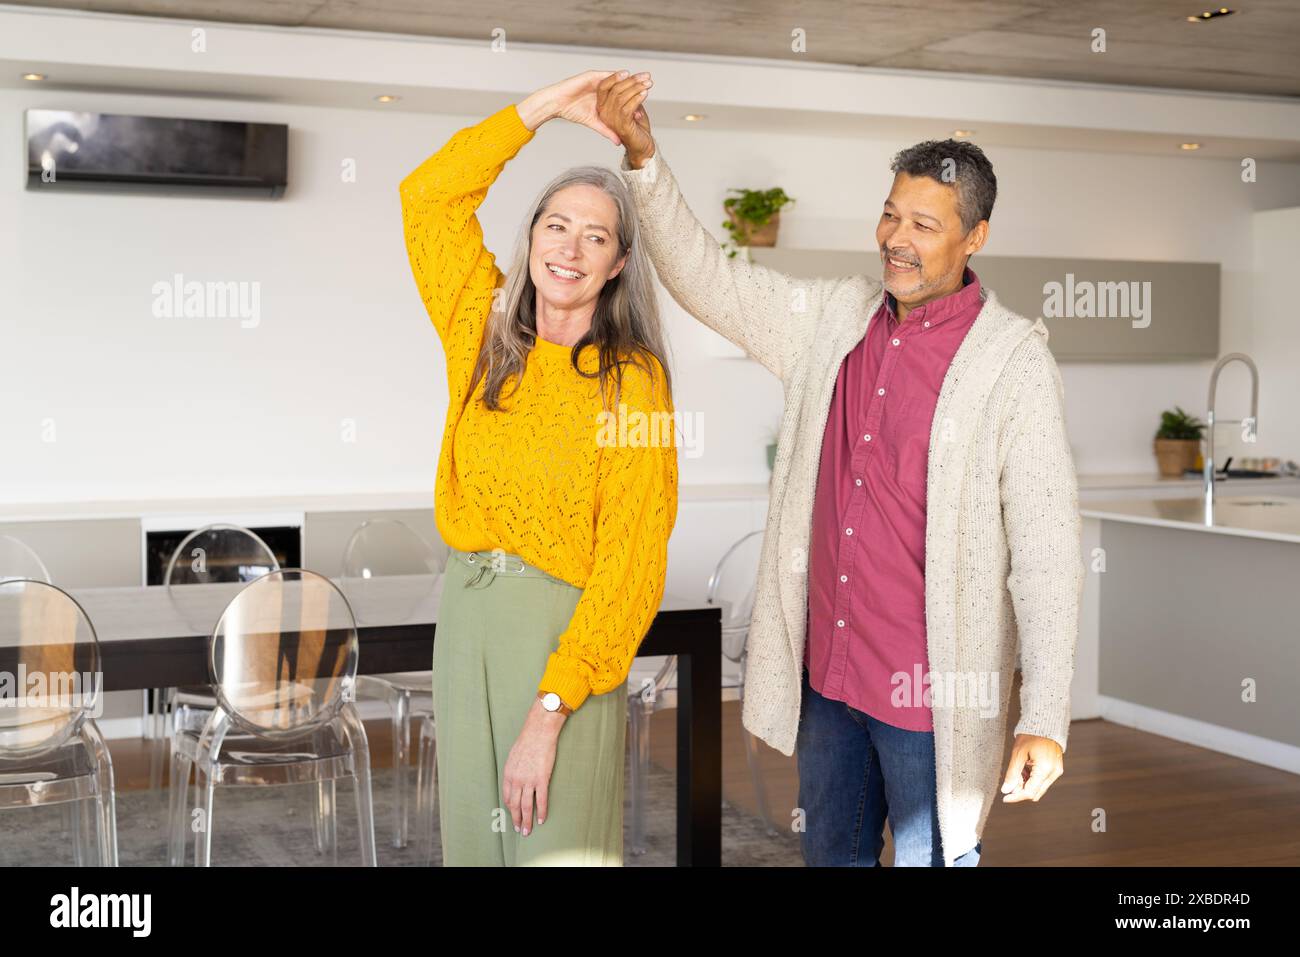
326 534
84 553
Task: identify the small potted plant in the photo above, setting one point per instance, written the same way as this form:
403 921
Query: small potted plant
1177 442
754 216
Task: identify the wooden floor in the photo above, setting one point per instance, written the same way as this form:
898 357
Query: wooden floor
1165 803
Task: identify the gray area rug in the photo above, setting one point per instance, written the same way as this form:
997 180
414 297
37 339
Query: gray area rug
272 827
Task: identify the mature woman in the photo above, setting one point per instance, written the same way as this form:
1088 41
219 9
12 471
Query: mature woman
558 524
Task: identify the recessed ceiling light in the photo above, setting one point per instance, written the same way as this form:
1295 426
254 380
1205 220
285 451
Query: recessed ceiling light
387 98
1210 15
693 117
1189 146
963 132
34 77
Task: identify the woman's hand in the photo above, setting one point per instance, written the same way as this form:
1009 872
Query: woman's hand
572 99
620 106
527 777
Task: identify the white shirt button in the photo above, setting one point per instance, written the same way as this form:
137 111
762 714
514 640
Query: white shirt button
926 324
895 342
880 392
867 437
844 578
857 481
840 623
848 531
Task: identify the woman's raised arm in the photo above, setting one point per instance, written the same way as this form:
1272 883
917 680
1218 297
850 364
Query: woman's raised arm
455 274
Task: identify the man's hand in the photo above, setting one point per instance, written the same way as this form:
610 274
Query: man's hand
1044 761
527 778
619 100
572 99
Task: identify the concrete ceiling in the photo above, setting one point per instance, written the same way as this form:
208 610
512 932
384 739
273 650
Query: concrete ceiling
1148 43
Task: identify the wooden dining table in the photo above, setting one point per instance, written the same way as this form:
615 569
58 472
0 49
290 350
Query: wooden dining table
156 637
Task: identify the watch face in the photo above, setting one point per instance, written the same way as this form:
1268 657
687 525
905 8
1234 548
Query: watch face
551 702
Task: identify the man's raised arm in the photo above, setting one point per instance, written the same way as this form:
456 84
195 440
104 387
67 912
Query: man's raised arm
767 313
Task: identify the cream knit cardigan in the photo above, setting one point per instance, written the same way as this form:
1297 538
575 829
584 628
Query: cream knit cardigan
1002 538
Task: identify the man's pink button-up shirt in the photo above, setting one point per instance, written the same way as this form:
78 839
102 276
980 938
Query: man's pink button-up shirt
866 575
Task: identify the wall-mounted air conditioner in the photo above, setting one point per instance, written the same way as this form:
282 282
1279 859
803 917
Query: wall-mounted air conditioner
104 151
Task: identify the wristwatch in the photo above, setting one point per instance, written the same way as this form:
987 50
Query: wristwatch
551 702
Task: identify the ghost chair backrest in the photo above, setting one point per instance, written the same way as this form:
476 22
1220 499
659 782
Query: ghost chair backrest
387 546
19 560
734 583
50 674
219 553
283 656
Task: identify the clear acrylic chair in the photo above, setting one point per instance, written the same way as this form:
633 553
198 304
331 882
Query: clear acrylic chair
283 663
51 750
653 687
214 553
18 560
735 591
382 548
426 790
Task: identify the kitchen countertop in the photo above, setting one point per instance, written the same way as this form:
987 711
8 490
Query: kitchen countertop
339 502
1241 515
1136 480
144 508
423 498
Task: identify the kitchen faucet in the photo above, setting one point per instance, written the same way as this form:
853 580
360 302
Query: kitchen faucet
1248 435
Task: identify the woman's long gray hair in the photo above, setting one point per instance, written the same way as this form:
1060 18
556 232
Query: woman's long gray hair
625 326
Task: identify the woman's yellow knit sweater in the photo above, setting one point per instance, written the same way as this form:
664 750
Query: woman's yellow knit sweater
552 477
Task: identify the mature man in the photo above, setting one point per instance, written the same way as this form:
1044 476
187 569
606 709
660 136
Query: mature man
923 529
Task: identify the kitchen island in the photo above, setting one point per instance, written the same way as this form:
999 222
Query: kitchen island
1197 626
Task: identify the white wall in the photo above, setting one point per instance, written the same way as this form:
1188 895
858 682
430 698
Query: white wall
143 407
1273 339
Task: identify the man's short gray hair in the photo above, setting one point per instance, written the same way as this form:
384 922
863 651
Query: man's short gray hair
955 163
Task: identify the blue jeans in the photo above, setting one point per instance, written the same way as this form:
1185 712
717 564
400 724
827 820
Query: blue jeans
854 772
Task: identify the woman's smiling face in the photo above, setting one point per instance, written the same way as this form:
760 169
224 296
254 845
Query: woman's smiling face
575 247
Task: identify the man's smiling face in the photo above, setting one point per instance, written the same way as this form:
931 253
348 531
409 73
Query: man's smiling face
923 247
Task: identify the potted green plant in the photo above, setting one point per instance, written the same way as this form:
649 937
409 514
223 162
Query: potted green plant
1177 442
754 216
